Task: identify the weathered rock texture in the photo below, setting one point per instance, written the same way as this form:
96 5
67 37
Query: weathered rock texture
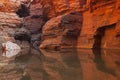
90 23
61 33
100 25
34 21
66 23
9 21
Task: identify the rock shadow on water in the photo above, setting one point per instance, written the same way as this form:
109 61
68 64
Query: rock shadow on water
107 61
64 64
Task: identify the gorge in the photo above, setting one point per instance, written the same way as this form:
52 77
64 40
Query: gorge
60 39
65 24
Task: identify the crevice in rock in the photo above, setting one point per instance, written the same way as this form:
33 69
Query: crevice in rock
23 11
100 33
45 18
36 16
98 37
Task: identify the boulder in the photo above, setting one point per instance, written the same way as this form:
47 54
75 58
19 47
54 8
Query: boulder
62 31
10 46
10 49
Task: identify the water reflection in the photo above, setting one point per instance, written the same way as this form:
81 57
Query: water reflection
108 63
68 64
62 65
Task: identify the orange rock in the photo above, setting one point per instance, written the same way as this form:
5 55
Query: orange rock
102 15
62 31
96 15
8 6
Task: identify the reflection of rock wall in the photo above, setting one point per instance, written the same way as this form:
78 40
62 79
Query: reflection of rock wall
64 66
107 64
81 64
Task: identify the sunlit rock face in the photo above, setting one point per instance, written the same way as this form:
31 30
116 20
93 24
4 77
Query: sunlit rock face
9 20
99 25
8 5
59 7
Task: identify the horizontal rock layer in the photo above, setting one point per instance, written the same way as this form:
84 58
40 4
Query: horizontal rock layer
9 20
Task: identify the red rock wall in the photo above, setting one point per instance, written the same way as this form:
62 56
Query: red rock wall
102 14
93 16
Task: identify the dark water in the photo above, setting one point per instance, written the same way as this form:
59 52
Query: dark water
69 64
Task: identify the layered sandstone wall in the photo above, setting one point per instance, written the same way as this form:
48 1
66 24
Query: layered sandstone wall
9 20
64 23
97 23
67 23
100 25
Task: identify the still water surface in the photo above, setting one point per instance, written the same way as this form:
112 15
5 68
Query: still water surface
68 64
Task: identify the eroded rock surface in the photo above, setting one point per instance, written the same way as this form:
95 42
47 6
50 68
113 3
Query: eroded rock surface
67 23
59 32
95 14
9 20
